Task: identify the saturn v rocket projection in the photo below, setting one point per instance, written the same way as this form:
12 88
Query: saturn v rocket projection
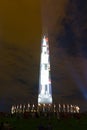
45 90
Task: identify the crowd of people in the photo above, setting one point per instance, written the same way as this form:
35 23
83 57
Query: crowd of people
6 126
46 111
48 127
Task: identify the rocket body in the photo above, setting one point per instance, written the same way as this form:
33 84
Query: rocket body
45 90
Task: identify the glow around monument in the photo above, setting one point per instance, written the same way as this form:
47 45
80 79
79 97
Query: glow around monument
45 89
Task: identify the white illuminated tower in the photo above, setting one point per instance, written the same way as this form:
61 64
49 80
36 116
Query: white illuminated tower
45 90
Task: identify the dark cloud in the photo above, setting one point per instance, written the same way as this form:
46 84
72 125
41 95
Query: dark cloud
68 45
16 65
72 37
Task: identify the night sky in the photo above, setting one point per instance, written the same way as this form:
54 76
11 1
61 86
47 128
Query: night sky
22 24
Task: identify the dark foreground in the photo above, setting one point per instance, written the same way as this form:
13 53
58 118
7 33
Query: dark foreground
44 122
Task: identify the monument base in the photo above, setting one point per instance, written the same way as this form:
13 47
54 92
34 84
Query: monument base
44 99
